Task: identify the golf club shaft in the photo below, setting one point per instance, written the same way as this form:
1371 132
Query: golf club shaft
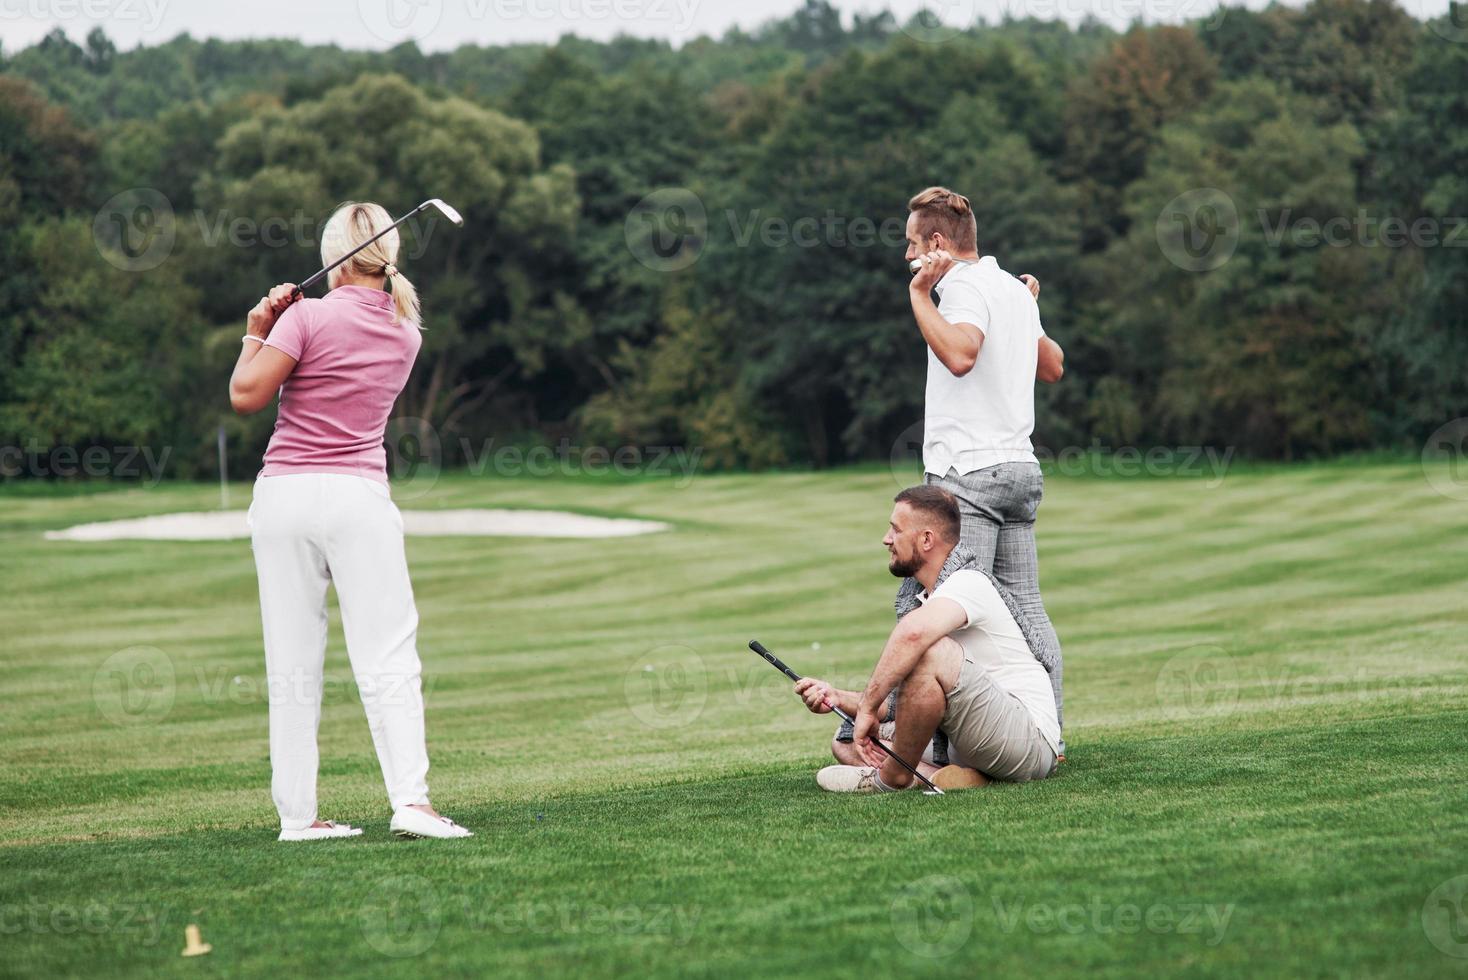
779 665
916 265
318 276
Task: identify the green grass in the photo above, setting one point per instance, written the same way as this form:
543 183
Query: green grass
1267 690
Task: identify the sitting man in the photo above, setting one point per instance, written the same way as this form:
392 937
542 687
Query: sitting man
960 664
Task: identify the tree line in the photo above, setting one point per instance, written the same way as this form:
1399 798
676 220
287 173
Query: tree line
1250 230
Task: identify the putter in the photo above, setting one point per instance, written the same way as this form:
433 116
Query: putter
779 665
434 203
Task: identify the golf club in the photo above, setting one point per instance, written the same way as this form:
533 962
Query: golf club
779 665
438 205
916 265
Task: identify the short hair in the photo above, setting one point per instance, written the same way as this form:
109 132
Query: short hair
938 505
947 213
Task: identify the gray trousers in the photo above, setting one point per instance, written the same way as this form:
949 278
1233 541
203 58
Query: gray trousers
998 505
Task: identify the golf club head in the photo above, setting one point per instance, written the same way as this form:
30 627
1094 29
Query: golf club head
445 210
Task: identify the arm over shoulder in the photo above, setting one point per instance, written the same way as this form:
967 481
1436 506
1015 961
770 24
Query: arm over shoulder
973 592
963 302
292 332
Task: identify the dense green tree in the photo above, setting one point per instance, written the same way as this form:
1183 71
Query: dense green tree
684 389
47 166
812 244
45 158
703 243
1242 328
1348 54
1423 179
1244 40
490 315
110 354
1113 114
626 137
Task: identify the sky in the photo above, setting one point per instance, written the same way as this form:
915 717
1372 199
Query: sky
438 25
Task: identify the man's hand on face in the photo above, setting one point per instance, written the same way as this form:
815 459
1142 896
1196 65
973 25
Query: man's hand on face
818 696
864 737
935 266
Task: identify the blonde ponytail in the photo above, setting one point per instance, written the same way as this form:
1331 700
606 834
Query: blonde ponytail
349 226
404 297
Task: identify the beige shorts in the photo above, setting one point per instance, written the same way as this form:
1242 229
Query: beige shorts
989 730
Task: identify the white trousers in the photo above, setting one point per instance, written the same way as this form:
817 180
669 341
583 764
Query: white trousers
308 530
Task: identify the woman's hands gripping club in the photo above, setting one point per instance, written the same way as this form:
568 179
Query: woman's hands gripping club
262 318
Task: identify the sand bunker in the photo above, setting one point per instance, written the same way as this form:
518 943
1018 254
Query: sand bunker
228 525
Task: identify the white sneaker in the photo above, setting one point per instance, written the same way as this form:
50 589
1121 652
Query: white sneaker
848 779
332 829
409 822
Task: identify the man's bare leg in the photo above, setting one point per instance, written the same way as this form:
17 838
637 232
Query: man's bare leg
920 707
848 754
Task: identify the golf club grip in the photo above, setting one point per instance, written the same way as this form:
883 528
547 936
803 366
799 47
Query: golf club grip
300 290
775 661
779 665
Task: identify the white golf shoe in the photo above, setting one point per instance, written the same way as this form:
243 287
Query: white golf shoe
331 830
848 779
409 822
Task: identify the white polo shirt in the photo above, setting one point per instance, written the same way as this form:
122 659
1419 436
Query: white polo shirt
986 416
992 641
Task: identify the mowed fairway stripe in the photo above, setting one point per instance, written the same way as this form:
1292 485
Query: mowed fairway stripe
1266 676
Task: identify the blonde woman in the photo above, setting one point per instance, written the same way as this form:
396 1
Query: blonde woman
322 514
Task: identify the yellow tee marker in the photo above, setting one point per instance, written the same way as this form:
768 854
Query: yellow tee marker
193 942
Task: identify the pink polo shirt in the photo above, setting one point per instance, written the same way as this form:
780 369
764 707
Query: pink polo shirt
352 361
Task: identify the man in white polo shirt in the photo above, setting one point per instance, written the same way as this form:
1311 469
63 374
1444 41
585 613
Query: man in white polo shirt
986 349
960 662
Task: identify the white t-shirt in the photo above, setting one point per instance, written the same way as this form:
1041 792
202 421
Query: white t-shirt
992 640
986 416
